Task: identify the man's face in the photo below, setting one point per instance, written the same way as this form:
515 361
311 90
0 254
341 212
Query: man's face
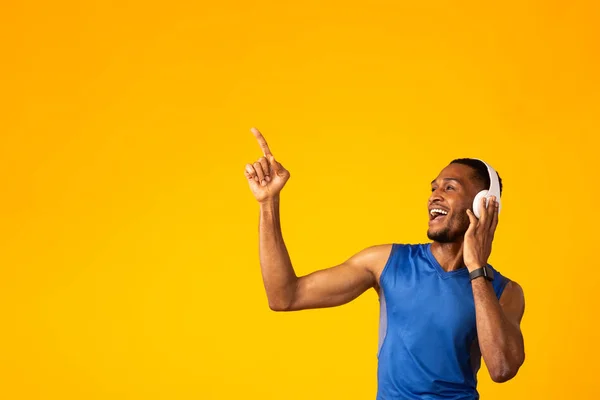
452 193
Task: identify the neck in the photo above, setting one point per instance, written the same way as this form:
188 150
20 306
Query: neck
449 255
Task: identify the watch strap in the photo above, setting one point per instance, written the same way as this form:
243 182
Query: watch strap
486 272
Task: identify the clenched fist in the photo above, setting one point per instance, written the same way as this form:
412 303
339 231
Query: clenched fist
266 176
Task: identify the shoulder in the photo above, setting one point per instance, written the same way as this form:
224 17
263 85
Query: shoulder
371 257
512 300
513 291
514 288
375 257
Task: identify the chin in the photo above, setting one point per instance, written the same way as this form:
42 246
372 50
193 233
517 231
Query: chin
444 235
439 237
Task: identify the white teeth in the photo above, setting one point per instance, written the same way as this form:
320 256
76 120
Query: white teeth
438 211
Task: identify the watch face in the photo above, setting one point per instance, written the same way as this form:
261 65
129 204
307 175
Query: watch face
488 273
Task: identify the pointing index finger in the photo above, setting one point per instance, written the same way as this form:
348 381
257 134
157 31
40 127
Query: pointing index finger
261 141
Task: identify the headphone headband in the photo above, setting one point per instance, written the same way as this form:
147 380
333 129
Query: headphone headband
494 189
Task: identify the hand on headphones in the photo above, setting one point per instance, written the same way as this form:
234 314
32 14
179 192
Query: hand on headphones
477 246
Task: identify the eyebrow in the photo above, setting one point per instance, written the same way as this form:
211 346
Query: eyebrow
450 179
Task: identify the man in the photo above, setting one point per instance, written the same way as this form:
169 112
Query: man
437 319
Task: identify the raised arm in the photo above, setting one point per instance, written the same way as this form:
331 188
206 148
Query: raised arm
498 321
285 290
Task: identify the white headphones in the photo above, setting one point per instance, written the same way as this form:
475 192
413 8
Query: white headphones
494 190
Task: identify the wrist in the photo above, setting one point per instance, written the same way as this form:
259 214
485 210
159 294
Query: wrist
474 266
269 203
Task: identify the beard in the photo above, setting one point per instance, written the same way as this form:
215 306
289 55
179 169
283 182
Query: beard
442 236
449 235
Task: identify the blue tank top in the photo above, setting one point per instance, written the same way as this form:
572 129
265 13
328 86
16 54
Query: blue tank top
428 345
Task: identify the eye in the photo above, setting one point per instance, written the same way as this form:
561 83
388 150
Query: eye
450 187
432 189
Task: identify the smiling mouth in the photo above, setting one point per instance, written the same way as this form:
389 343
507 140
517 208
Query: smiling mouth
437 214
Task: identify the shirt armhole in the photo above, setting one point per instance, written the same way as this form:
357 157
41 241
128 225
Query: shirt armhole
387 265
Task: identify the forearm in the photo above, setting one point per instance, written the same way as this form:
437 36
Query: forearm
278 274
500 341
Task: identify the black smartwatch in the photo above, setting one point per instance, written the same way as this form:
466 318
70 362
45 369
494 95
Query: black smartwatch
486 272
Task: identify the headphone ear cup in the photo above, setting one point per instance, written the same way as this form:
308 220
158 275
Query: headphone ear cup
477 203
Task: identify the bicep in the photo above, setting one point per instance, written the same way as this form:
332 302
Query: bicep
337 285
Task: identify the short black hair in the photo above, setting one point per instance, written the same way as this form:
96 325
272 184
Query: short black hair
481 171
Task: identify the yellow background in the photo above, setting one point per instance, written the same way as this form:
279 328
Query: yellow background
128 248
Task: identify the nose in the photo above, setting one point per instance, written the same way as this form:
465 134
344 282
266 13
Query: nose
436 195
